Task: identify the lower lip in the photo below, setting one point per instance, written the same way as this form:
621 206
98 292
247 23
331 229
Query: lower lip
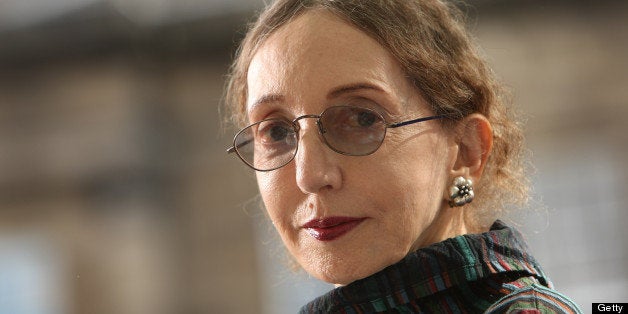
332 233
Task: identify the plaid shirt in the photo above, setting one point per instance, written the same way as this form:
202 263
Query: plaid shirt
474 273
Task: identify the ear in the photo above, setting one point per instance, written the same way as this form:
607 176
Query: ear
474 138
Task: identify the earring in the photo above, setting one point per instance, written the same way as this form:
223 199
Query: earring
461 192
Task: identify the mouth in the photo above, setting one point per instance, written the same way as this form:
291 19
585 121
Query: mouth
331 228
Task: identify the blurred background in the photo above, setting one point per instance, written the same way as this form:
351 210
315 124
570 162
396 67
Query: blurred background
116 195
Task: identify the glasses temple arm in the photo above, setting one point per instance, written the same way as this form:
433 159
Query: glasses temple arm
396 125
232 149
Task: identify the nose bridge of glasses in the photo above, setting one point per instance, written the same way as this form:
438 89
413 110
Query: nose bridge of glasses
307 116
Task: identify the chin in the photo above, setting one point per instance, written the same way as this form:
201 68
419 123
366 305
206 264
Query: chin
341 263
346 271
341 279
342 273
334 272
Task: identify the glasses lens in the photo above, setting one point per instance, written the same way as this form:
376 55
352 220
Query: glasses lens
352 130
267 145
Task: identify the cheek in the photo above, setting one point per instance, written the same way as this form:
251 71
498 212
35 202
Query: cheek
270 190
281 200
412 182
279 196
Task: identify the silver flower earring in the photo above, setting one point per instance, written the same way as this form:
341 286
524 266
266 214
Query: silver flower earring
461 192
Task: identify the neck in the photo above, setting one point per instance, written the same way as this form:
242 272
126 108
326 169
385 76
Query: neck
448 223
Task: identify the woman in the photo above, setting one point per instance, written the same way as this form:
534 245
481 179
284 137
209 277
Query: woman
383 153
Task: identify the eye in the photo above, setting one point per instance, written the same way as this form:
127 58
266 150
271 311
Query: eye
274 131
366 118
278 133
361 118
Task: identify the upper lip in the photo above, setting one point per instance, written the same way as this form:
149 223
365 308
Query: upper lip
328 222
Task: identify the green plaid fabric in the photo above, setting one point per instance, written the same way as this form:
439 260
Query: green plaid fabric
490 272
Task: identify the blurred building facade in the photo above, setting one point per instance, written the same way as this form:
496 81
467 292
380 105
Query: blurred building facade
113 169
116 195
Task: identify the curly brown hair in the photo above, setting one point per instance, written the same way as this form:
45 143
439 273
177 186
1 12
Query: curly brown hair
431 43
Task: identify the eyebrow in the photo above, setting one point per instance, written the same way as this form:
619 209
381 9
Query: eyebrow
336 92
268 98
339 91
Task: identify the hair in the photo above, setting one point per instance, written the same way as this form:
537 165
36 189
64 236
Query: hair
430 41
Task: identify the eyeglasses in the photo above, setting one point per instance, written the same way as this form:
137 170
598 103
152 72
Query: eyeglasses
272 143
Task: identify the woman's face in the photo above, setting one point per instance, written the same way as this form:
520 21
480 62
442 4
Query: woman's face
345 217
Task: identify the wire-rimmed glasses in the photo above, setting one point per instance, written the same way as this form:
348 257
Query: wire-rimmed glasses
349 130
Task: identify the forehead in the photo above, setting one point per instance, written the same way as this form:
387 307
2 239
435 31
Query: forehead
317 32
316 52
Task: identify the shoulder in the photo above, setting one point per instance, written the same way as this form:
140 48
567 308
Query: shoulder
534 299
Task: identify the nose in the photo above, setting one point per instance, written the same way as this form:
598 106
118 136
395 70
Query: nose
317 167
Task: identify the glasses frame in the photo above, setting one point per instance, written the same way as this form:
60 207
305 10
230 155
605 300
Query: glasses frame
322 131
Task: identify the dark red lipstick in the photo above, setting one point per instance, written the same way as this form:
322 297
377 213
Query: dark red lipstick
330 228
